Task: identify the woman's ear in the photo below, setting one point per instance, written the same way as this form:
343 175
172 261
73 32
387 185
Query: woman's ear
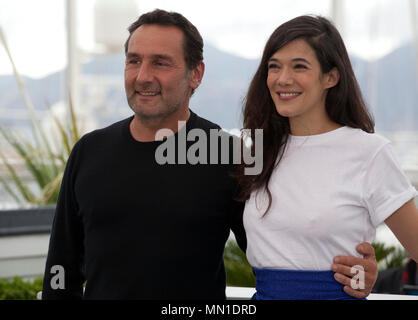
332 78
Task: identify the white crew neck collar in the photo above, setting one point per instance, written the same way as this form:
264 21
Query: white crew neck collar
318 137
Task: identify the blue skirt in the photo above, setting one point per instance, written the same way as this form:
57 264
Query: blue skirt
297 285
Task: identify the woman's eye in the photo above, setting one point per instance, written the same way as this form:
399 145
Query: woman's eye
273 66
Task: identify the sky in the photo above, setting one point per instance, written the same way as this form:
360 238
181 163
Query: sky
36 30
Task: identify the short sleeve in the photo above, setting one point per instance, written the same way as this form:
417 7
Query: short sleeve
386 187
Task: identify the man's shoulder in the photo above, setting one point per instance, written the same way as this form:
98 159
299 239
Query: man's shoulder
113 130
203 123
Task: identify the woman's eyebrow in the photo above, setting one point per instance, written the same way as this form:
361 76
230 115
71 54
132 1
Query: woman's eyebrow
301 60
293 60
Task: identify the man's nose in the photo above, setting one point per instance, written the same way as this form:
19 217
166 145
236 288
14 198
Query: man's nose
144 73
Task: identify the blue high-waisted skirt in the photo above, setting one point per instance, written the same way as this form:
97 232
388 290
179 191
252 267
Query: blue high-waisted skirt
298 285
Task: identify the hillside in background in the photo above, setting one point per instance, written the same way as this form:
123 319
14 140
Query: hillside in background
389 86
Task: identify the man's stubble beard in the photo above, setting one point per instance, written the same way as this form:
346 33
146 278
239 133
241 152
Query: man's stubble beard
166 111
161 115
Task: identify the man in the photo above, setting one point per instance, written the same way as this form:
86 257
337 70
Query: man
131 227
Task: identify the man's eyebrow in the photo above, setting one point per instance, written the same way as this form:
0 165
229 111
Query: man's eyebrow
162 56
153 56
132 55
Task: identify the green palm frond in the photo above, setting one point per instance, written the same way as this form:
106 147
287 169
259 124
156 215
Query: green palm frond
63 134
22 187
51 191
389 256
45 166
10 191
74 130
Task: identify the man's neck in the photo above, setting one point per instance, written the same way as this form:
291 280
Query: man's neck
145 130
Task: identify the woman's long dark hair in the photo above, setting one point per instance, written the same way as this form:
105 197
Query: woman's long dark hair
344 102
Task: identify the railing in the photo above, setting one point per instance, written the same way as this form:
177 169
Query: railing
243 293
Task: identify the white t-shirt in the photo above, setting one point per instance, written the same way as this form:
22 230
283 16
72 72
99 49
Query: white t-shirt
329 193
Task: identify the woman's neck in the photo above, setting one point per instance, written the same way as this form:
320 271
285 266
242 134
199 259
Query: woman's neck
313 125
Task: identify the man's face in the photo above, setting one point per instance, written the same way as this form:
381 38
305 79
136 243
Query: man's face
157 81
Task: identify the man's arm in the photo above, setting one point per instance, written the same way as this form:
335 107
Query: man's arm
63 278
237 224
343 270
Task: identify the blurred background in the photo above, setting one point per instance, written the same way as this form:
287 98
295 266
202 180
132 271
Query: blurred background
51 48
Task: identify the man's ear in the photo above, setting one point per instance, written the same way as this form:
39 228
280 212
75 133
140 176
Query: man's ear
332 78
197 75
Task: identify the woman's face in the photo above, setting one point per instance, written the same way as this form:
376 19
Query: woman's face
296 83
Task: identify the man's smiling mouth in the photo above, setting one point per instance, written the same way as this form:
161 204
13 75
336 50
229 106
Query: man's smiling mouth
148 93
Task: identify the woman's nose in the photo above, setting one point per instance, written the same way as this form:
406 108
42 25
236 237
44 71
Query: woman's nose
285 77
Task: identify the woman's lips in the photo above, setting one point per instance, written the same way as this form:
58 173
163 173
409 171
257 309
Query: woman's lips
285 96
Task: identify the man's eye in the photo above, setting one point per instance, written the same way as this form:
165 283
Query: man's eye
300 66
132 61
161 63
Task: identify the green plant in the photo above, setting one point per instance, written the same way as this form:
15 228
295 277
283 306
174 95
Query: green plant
18 289
44 163
389 256
238 271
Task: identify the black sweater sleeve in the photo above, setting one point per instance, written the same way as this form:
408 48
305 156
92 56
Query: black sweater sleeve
237 225
63 278
237 207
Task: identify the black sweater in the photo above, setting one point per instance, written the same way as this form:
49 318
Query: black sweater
134 229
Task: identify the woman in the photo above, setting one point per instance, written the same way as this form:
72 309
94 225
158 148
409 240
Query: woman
328 181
